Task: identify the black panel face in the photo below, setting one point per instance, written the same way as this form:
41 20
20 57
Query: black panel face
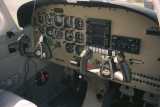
126 44
58 10
98 32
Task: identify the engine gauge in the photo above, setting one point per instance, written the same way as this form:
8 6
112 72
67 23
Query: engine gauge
79 37
69 47
69 36
49 18
59 34
69 21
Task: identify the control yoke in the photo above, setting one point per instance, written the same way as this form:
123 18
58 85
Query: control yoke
85 55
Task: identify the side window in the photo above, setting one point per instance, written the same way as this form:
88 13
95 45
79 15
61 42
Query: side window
6 21
12 6
2 22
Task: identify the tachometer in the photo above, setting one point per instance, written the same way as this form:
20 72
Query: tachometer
69 35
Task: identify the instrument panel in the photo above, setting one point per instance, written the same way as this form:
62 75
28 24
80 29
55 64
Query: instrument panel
66 30
70 29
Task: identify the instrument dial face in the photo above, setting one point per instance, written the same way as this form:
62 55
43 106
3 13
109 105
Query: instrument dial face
69 47
50 18
59 21
79 37
41 18
59 34
69 35
79 23
69 21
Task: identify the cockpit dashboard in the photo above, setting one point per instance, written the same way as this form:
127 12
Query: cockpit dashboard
108 30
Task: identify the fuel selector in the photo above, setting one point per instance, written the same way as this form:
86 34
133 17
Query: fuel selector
41 78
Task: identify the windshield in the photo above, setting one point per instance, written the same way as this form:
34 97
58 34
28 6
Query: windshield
13 5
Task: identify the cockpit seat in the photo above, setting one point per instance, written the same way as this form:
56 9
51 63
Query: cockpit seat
8 99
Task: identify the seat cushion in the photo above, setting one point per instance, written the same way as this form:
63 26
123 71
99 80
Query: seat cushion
8 99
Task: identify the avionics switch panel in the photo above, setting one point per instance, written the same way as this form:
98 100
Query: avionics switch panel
126 44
